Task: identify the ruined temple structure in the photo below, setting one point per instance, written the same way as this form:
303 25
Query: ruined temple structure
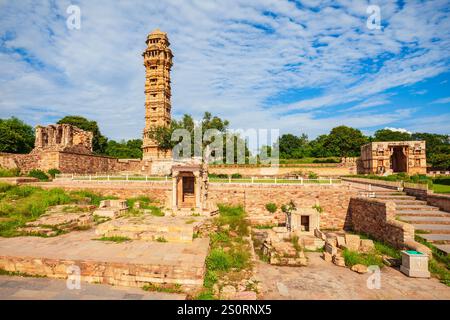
190 188
157 62
393 157
63 137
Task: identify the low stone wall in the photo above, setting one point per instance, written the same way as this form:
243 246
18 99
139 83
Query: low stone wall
321 170
377 219
333 199
439 200
420 194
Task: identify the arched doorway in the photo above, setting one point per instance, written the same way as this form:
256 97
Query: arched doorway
399 161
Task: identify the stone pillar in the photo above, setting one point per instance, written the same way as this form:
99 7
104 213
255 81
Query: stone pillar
39 140
174 190
198 202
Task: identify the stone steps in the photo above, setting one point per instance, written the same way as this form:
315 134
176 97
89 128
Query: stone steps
402 202
433 228
389 197
425 220
437 238
422 213
415 207
443 247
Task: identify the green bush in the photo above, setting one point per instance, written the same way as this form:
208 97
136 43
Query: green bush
53 172
271 207
9 172
236 176
218 260
39 174
312 175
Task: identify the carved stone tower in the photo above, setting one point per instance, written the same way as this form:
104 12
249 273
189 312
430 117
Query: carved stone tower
157 62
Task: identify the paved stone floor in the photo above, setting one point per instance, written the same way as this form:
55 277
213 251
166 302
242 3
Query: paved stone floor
324 280
19 288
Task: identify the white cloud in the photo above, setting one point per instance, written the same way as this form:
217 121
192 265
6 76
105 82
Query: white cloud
441 101
230 58
402 130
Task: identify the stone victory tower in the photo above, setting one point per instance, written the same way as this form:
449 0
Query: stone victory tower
157 62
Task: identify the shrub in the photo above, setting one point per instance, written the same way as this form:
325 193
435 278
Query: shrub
271 207
39 174
312 175
318 208
53 172
9 172
218 260
236 176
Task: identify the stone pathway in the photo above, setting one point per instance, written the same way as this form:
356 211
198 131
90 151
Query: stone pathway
324 280
19 288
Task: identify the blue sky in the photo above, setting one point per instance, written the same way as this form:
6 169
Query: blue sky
297 66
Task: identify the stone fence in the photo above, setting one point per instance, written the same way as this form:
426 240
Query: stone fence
377 219
396 185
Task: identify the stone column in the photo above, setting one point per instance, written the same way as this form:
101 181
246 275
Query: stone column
39 140
197 181
174 190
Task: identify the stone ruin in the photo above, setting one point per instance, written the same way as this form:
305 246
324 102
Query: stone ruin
283 246
63 137
111 208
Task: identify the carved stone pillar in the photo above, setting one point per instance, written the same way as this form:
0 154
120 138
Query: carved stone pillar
198 182
174 190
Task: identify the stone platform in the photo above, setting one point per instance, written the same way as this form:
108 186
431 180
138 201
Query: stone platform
130 264
151 228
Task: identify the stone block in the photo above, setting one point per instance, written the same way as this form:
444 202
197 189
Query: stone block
415 264
245 295
327 257
339 261
352 242
366 245
359 268
340 241
329 248
228 293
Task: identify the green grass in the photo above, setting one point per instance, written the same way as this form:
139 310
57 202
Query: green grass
229 253
6 173
441 188
368 259
161 239
168 288
387 250
439 264
4 272
116 239
264 226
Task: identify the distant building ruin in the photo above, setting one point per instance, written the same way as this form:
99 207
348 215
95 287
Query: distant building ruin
63 137
393 157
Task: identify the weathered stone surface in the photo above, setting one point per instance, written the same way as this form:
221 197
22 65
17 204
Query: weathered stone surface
352 242
359 268
327 256
228 292
366 245
340 241
329 248
339 261
245 295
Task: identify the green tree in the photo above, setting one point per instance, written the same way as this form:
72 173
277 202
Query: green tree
15 136
437 147
345 141
99 142
390 135
130 149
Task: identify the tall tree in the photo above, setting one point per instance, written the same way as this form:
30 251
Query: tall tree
391 135
130 149
15 136
345 141
99 142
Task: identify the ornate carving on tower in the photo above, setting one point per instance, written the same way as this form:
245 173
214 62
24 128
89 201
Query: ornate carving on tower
157 62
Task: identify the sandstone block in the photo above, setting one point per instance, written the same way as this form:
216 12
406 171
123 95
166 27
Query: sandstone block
245 295
327 257
340 241
339 261
352 242
366 245
329 248
228 292
359 268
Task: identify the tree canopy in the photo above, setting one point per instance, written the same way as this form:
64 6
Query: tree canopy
130 149
390 135
16 136
99 142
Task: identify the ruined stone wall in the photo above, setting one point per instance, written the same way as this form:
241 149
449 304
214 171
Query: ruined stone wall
439 200
323 171
333 199
377 219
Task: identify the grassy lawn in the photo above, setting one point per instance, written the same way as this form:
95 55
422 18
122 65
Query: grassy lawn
21 204
281 181
441 188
